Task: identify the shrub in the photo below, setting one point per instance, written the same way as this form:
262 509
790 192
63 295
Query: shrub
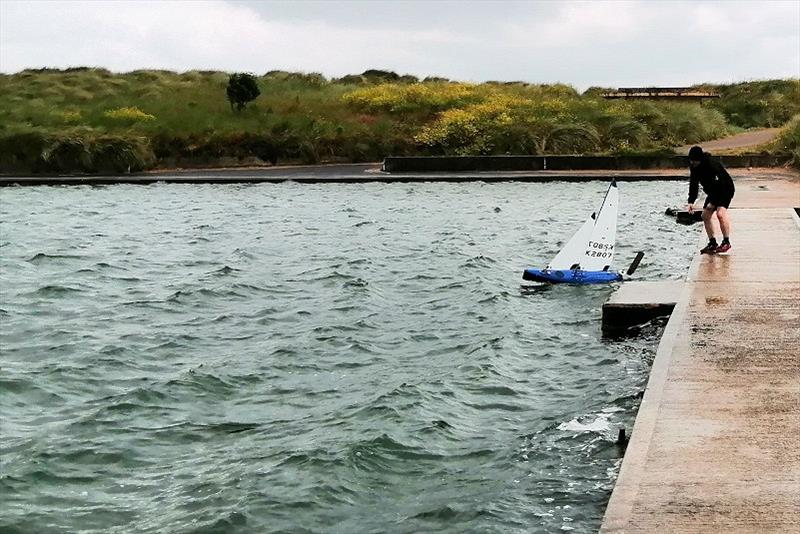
128 115
503 123
121 155
464 131
408 78
574 138
70 117
242 88
150 75
691 123
22 152
68 155
210 149
377 75
297 79
539 120
789 140
759 103
597 91
416 97
74 152
351 79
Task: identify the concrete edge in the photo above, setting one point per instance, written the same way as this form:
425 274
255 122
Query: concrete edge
562 162
387 179
795 216
626 488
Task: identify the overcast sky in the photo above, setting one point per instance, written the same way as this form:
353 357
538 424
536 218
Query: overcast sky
607 43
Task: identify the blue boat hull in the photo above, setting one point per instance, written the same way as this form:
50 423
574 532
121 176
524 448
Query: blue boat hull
571 276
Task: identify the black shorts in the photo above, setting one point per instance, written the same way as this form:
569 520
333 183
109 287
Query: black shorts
718 201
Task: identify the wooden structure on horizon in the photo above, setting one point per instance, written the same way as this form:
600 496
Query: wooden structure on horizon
661 93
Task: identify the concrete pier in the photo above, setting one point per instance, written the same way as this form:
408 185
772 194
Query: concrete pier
716 443
635 303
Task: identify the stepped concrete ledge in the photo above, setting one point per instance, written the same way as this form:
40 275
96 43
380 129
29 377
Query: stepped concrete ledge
636 303
716 443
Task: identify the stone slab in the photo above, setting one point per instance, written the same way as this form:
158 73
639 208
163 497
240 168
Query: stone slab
636 303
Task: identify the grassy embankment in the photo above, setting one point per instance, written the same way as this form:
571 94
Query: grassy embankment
91 120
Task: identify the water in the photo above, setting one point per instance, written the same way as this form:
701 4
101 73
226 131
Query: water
313 358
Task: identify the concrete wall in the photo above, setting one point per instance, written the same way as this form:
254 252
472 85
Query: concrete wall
463 163
563 163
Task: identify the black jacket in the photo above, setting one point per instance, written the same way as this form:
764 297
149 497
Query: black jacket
717 183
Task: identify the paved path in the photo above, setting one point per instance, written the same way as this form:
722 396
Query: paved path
752 138
716 444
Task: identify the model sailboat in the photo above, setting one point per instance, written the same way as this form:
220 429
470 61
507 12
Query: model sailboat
587 257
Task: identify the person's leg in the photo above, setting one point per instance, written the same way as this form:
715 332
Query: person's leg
724 222
708 213
725 226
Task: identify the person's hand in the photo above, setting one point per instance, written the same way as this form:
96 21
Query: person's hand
690 208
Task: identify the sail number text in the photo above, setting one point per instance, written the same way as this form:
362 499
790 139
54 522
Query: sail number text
599 250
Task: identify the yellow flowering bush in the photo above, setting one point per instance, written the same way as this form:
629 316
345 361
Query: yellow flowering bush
70 116
504 122
468 130
129 114
398 98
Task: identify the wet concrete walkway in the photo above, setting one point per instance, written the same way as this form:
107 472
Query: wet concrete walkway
716 444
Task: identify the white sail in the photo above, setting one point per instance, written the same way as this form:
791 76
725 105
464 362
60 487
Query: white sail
573 252
599 252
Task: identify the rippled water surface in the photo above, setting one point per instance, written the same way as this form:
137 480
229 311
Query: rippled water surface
313 358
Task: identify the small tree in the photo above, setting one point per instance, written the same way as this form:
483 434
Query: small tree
242 88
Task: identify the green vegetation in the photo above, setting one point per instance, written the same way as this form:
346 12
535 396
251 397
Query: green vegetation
92 120
789 140
767 103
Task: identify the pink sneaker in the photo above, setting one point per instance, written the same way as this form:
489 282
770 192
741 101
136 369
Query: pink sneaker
723 248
